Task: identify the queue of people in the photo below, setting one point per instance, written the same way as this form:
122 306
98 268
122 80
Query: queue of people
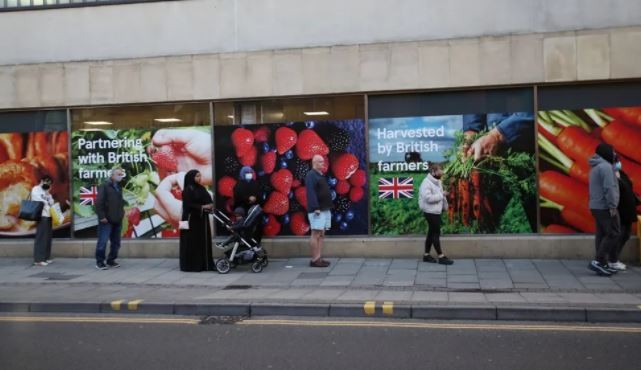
612 203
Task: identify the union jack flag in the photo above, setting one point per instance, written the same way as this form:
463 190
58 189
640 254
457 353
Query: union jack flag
88 196
396 187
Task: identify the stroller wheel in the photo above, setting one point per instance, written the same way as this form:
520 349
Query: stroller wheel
223 265
265 261
257 267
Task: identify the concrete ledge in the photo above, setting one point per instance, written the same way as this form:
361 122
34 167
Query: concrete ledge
473 246
541 314
142 308
266 309
67 307
454 312
212 309
613 315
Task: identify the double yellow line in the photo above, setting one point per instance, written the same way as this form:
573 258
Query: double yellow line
445 326
98 320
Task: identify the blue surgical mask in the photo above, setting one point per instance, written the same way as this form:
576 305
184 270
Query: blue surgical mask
618 166
249 176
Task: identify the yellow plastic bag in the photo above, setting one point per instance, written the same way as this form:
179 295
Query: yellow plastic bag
57 218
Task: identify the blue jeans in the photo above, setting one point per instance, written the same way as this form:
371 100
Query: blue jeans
106 232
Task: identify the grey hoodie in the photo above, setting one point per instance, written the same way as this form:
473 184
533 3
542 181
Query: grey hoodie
604 188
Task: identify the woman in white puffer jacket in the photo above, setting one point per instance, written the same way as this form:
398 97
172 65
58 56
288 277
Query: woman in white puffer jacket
433 201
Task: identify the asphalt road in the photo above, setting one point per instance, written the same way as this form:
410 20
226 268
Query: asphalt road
153 343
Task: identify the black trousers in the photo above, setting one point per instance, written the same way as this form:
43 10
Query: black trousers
608 234
42 243
433 237
626 228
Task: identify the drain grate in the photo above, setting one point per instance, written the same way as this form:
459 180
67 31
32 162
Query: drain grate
54 276
237 287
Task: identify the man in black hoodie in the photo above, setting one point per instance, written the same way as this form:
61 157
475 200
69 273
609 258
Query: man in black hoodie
628 202
604 199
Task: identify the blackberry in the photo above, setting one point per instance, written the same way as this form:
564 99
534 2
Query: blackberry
299 168
231 166
294 206
336 138
342 203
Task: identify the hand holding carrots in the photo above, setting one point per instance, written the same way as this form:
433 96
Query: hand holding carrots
485 145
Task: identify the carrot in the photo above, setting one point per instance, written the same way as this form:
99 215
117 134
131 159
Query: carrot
597 133
577 144
465 194
558 229
631 115
564 190
578 218
579 170
545 130
476 200
624 138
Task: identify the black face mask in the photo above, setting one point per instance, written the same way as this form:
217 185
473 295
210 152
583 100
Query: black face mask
46 186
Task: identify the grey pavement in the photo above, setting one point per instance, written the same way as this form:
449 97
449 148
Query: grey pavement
485 283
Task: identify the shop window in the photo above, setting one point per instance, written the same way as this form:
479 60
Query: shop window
572 121
155 145
483 140
32 145
277 139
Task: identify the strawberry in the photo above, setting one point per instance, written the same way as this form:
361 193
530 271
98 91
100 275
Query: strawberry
298 224
170 233
249 158
310 144
301 196
359 178
286 138
356 194
165 158
226 186
134 216
272 227
261 135
296 183
342 187
281 180
277 203
177 193
268 161
344 165
243 141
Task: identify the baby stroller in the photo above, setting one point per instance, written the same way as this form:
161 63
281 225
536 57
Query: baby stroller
240 248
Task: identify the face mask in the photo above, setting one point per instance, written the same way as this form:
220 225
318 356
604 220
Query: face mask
618 166
46 186
248 176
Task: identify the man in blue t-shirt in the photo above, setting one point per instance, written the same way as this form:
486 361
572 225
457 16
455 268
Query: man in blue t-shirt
319 204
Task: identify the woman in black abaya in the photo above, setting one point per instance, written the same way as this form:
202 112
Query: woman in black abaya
195 243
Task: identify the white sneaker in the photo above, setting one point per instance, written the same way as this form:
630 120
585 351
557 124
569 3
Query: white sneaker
617 266
40 263
49 262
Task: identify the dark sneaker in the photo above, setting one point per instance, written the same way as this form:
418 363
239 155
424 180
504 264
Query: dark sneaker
326 262
599 269
318 263
113 264
445 261
611 269
429 258
101 266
